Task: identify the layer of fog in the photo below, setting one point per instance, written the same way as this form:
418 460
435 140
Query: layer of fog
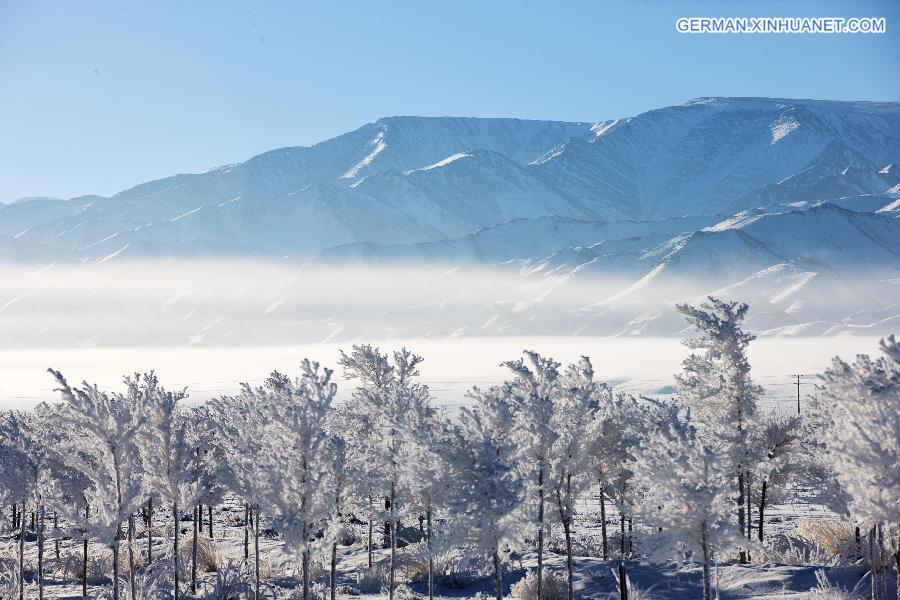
245 303
452 366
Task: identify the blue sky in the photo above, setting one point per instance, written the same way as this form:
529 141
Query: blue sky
99 96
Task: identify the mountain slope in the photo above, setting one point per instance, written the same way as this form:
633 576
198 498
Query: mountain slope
720 155
405 180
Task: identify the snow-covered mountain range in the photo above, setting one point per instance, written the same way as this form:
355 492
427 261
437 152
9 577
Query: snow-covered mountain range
790 203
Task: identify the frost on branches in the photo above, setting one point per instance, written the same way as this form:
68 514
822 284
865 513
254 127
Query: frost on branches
686 497
717 387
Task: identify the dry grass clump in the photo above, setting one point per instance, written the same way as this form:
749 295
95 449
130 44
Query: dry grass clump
373 579
837 538
99 564
825 590
208 558
553 587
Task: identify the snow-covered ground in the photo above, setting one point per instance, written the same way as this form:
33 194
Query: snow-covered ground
594 577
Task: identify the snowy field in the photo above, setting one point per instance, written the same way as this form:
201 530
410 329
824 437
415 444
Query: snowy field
595 578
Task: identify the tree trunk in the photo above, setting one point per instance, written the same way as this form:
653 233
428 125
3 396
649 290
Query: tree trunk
742 556
540 564
431 557
197 514
84 568
256 551
56 529
881 560
131 556
84 565
40 549
209 509
393 542
630 538
622 534
175 556
859 550
333 570
304 562
150 530
115 550
897 560
246 532
22 553
749 507
705 549
762 509
603 523
623 582
565 519
369 545
498 574
872 571
568 533
15 521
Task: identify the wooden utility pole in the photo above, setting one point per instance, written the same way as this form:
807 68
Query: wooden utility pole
798 394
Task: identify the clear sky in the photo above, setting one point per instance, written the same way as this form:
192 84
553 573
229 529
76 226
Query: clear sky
98 96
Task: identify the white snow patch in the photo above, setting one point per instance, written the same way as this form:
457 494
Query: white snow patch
441 163
109 237
740 219
190 212
13 300
782 127
274 304
113 255
227 202
798 284
379 144
549 155
600 128
895 205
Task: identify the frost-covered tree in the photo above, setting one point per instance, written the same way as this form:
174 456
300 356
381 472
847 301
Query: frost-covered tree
296 487
103 444
862 439
781 463
488 488
686 497
336 490
387 396
425 468
38 439
373 372
618 429
534 390
19 474
241 429
717 386
174 461
569 469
